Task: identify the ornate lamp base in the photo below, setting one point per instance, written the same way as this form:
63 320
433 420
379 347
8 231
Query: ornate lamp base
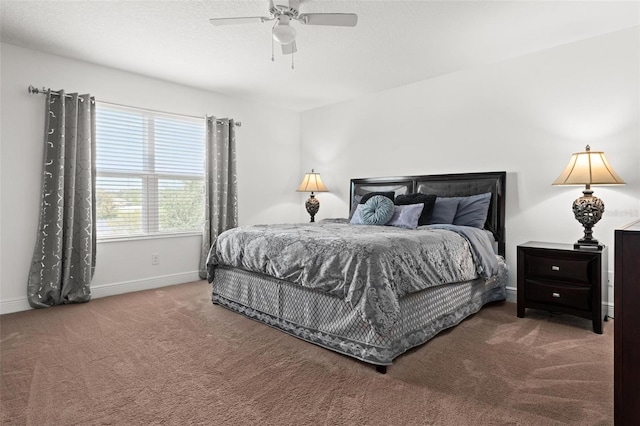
312 205
588 211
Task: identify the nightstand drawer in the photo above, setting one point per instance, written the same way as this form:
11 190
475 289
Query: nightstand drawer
572 270
568 296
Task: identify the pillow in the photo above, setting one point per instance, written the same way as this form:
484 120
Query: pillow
377 211
355 218
366 197
444 210
361 199
473 210
406 216
354 204
427 200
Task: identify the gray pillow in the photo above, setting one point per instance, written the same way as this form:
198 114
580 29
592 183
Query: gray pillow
472 210
354 205
444 211
406 216
376 211
355 218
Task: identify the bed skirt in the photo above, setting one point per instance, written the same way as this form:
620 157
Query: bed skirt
328 321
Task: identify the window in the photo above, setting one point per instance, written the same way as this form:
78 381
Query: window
150 172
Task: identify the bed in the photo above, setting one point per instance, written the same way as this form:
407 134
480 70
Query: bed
370 292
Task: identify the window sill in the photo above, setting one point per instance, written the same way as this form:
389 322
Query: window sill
148 237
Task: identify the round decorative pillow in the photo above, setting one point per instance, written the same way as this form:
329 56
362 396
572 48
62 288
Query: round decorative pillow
378 210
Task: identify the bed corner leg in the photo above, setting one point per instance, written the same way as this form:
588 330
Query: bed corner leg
382 369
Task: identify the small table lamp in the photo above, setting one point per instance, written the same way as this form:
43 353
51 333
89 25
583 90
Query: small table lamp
588 168
311 182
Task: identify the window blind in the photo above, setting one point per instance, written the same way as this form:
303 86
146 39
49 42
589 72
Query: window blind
150 172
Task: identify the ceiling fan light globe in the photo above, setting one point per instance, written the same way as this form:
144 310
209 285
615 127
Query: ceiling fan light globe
284 34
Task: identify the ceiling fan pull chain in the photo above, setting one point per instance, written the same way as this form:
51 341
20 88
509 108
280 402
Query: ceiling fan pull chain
292 53
272 58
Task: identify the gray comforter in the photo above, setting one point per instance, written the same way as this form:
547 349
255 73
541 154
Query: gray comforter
370 267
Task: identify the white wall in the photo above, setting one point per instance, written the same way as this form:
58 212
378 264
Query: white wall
524 116
268 168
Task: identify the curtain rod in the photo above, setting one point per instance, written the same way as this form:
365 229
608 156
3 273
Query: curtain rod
43 91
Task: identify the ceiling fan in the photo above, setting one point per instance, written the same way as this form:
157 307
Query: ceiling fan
282 32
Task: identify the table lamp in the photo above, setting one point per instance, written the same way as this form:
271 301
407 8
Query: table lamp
588 168
311 182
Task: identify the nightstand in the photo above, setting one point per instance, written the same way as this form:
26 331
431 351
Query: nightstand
559 278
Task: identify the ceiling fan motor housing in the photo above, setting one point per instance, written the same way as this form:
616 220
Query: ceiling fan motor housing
284 8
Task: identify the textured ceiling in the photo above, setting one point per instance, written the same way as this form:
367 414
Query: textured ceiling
394 43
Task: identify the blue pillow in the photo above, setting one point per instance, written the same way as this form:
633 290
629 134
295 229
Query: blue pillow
361 199
406 216
472 210
444 211
355 217
376 211
366 197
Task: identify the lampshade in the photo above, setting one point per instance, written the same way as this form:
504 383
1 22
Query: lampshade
283 33
312 183
588 168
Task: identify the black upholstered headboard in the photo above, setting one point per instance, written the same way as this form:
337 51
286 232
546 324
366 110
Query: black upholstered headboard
448 185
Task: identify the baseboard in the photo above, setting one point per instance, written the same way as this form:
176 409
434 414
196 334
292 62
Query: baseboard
18 304
103 290
607 309
112 289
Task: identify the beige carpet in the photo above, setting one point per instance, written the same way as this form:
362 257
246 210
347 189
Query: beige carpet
169 356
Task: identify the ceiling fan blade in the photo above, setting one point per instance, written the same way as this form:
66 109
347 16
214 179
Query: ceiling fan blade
337 19
243 20
288 49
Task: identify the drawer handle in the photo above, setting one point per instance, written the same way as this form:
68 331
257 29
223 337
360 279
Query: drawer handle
555 268
555 294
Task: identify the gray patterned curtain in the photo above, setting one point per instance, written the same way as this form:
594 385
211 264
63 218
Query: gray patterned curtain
221 187
64 255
